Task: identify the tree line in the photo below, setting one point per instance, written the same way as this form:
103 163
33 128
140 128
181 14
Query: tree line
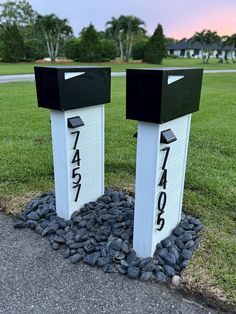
26 35
124 37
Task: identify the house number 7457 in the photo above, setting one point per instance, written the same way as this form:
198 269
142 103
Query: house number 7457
76 176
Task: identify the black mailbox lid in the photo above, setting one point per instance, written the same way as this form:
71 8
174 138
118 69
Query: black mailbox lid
66 88
159 95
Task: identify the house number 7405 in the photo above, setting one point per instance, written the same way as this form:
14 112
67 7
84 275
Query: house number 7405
162 198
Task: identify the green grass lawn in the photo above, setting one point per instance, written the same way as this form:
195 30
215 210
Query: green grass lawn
23 68
26 168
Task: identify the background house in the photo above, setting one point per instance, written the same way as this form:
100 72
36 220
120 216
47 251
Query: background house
191 49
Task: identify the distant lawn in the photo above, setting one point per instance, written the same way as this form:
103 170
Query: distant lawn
24 68
26 168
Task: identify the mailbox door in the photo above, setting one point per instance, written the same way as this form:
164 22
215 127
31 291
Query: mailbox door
87 88
181 93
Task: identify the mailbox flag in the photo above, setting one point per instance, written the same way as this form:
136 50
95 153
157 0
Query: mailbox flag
174 78
70 75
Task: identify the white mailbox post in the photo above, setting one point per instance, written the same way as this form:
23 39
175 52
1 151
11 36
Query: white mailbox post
162 101
76 97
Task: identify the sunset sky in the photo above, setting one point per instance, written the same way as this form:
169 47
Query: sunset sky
180 18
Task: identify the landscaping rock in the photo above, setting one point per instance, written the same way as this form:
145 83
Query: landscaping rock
59 240
186 254
149 267
179 244
166 243
176 280
160 276
198 228
185 237
39 229
124 264
76 258
145 261
173 250
31 224
33 216
194 221
53 226
146 276
115 196
20 224
81 232
91 259
103 261
131 257
167 257
133 272
66 253
89 247
189 244
56 246
178 231
101 234
121 269
125 247
184 264
169 271
109 268
185 225
115 244
22 216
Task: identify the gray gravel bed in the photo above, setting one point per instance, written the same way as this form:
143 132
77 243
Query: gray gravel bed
101 234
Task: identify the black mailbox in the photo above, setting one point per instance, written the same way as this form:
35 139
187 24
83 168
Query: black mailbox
66 88
162 94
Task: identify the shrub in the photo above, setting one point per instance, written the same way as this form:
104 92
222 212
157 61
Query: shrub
90 48
1 48
35 49
12 44
108 50
139 49
72 48
156 49
172 56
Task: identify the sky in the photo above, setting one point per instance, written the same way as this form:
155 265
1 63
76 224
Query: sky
179 18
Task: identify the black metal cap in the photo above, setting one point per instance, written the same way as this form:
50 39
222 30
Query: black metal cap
162 94
66 88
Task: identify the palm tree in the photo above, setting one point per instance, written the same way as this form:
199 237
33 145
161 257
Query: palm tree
233 46
231 42
123 29
199 37
54 31
206 38
225 41
132 26
210 38
115 31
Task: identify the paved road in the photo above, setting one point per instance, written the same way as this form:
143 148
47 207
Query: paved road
16 78
35 279
30 77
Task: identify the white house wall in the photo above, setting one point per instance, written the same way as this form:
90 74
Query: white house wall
190 53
